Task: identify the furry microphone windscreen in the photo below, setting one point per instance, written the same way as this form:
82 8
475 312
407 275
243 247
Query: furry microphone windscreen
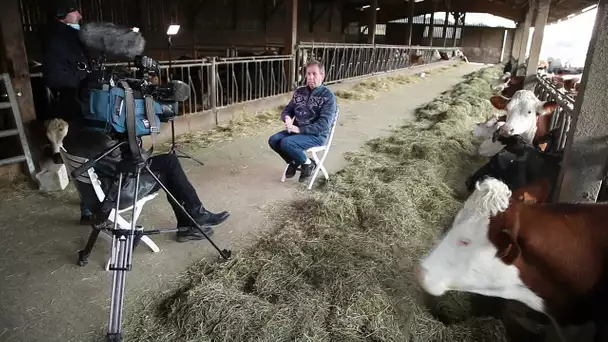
112 39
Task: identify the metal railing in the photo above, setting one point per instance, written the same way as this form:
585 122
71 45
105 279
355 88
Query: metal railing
545 90
217 82
347 61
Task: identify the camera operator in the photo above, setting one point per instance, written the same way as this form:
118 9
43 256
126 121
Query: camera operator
65 71
65 64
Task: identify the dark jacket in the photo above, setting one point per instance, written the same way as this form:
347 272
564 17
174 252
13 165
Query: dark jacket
314 110
62 54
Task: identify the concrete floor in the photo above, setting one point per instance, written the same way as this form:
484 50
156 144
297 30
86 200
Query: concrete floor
44 296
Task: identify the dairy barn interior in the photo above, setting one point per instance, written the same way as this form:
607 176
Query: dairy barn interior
247 56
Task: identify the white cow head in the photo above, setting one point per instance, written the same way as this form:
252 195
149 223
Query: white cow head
467 260
522 110
56 130
486 131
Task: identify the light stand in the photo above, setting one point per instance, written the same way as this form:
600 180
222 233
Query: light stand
172 31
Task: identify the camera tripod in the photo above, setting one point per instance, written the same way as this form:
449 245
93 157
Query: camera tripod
125 240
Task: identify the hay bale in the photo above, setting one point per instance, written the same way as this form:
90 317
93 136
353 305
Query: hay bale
340 266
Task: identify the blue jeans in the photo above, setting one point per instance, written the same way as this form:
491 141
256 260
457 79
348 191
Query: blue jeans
291 146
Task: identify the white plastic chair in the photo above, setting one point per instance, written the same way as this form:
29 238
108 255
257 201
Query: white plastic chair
317 149
72 162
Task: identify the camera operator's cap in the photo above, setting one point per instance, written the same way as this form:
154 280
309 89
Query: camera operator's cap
61 8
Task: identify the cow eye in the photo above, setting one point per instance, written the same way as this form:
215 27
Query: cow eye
529 112
463 242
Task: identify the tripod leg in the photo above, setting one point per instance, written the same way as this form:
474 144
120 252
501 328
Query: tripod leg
186 155
83 255
118 288
122 254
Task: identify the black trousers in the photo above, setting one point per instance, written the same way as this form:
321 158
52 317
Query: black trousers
169 171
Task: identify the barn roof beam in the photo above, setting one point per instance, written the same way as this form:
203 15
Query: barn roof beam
392 11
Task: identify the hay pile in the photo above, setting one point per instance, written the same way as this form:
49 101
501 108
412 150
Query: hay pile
340 266
368 90
243 125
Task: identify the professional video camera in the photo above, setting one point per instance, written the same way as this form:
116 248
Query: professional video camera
107 106
128 107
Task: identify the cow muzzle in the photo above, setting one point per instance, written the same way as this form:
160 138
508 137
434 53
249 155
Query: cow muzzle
506 130
433 288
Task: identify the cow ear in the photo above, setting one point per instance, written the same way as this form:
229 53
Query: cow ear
508 249
535 192
526 197
546 107
499 102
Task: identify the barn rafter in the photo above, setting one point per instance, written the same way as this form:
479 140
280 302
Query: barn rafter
510 9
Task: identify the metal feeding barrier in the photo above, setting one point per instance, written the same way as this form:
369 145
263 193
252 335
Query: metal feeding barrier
545 90
348 61
219 82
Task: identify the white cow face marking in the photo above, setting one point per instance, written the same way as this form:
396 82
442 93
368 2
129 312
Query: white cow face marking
466 260
486 130
522 110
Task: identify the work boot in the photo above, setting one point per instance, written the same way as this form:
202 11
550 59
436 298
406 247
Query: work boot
291 170
204 217
307 170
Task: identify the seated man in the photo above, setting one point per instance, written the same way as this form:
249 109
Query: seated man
87 143
308 118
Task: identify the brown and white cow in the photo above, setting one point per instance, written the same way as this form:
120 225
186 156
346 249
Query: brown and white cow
524 114
553 257
518 121
570 83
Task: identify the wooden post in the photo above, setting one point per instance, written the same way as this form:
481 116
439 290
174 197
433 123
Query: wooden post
371 26
432 27
460 19
292 26
410 21
15 58
14 61
291 39
445 26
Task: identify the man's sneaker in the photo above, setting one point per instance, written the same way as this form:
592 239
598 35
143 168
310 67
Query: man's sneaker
192 233
307 170
291 170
